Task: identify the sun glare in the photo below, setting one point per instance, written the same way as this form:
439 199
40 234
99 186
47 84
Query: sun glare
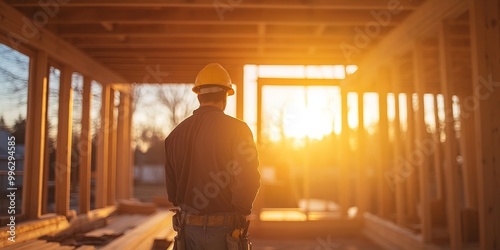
299 112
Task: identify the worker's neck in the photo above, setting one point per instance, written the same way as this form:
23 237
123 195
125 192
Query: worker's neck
218 105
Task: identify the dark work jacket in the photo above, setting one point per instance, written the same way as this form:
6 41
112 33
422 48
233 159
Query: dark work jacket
211 164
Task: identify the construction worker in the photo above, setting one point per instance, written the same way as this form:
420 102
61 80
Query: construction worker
211 167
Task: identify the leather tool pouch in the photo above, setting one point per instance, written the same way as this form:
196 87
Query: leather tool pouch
238 244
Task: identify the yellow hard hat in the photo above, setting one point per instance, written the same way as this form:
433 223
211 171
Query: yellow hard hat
211 78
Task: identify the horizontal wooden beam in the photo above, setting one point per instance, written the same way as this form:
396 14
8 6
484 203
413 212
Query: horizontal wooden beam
21 30
175 15
223 42
270 4
298 82
222 30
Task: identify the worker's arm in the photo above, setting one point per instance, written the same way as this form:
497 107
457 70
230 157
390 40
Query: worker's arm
171 182
246 179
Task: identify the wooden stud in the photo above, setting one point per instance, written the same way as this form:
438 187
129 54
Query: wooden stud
420 136
384 161
101 188
452 187
484 16
361 185
467 142
238 78
399 178
64 136
123 163
85 148
35 135
438 163
411 183
111 178
344 190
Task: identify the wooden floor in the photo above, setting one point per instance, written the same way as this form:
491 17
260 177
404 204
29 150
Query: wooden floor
322 243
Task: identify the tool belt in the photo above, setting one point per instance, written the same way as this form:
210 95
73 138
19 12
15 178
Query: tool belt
239 242
228 220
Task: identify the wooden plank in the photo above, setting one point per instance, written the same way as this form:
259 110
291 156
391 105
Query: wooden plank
270 4
143 232
21 30
101 189
384 192
344 190
85 148
299 17
420 135
361 185
399 179
238 79
64 136
119 224
412 182
438 162
123 163
451 168
484 15
111 163
31 230
35 135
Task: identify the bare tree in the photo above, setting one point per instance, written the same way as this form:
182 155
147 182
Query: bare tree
178 100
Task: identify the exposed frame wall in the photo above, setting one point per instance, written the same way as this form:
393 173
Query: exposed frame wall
46 47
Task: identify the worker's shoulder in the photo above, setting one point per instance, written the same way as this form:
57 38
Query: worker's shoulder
235 121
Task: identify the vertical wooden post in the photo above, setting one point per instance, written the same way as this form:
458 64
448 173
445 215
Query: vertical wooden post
420 136
438 173
102 146
64 134
123 164
35 135
238 78
398 179
484 16
85 148
344 190
411 183
383 155
467 145
451 168
360 169
259 112
111 180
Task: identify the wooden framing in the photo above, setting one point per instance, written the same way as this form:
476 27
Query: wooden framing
35 134
423 166
102 146
399 180
361 185
179 37
21 30
272 4
85 148
485 53
438 162
450 153
422 20
345 192
111 164
64 136
124 172
383 157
